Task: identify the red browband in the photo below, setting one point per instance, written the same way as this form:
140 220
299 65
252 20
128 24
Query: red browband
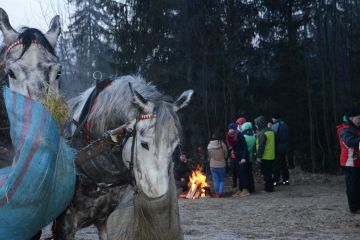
17 43
144 117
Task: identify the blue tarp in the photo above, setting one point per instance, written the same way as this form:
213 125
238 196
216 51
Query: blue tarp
40 183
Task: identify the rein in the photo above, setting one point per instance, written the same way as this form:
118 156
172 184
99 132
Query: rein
131 163
132 156
91 150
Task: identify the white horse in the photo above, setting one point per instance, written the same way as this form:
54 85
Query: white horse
29 59
144 161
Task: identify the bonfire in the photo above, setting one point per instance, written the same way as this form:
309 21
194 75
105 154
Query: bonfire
197 184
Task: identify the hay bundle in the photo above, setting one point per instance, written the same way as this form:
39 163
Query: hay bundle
57 106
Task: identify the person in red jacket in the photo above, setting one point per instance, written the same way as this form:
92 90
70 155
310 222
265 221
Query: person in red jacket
349 140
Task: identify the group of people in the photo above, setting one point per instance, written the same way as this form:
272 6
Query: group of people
266 144
246 145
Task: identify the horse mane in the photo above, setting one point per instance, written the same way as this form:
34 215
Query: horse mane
28 35
114 106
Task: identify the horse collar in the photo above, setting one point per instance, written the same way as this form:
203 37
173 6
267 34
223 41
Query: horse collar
17 43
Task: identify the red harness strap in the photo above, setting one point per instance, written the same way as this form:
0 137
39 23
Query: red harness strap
17 43
12 46
147 116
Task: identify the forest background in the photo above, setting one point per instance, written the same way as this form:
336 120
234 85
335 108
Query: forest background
299 58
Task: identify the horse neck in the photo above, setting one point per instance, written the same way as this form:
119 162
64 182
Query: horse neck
159 218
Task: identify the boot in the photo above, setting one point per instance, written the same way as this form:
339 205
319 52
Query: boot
218 195
237 194
244 193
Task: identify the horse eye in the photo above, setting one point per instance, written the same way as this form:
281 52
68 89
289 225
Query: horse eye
58 74
145 145
11 74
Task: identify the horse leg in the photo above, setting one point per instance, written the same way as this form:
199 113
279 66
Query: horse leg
64 227
101 227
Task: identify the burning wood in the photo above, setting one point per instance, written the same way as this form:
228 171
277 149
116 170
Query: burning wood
198 185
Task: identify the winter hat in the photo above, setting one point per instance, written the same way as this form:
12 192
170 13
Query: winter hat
240 121
260 122
246 126
232 126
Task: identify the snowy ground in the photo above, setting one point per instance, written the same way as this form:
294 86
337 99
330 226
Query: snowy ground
312 207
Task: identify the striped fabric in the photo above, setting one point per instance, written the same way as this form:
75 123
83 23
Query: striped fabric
40 183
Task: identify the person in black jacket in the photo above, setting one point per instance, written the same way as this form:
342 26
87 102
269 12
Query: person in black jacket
280 165
182 172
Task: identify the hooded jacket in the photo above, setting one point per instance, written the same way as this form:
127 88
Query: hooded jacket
281 131
250 139
265 140
349 140
217 153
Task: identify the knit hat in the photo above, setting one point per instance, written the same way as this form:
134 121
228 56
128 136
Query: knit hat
246 126
240 121
232 126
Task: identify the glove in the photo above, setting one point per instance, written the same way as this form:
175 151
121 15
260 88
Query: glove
242 161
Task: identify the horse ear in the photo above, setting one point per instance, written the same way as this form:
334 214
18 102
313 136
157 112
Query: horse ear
10 35
140 101
183 100
53 33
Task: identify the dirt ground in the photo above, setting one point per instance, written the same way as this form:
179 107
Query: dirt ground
312 207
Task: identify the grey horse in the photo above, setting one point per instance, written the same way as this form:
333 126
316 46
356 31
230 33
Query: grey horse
135 180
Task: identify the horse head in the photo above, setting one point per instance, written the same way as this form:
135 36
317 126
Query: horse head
156 133
29 60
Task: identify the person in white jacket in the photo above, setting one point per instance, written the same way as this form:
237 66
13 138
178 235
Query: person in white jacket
217 153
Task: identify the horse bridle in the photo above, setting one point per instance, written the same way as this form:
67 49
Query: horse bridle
132 153
130 132
12 46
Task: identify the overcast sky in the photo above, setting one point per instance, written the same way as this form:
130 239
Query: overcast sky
34 13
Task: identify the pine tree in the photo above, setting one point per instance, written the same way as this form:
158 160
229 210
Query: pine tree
89 30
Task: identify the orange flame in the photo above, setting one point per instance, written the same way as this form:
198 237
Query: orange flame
198 179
